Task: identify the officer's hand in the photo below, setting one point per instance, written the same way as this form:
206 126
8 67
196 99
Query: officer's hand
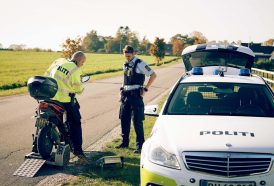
142 93
120 94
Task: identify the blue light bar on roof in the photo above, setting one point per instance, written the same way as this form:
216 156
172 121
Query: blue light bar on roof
197 71
216 72
244 72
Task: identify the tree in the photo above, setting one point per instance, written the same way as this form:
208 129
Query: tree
122 36
269 42
190 41
92 42
157 49
70 46
126 37
112 45
1 46
144 46
133 40
179 42
177 47
266 65
179 37
17 46
239 42
198 37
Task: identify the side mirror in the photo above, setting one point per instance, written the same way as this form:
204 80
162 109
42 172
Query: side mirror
85 79
151 110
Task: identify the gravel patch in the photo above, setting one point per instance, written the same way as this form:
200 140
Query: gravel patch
57 179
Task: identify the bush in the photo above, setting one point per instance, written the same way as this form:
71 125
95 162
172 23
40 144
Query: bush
266 65
101 50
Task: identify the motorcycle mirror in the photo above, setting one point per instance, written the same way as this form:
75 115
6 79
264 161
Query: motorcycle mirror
85 79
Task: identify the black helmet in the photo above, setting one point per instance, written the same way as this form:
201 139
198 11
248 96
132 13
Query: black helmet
42 87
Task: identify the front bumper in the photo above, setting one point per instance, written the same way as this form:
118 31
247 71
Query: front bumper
155 175
148 177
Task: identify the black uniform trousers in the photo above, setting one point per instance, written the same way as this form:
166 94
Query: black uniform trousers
132 107
75 129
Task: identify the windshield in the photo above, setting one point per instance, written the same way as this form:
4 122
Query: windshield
217 58
221 99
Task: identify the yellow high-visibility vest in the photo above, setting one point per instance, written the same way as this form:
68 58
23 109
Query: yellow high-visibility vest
68 77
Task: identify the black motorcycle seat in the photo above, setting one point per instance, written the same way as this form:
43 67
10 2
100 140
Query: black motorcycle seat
56 102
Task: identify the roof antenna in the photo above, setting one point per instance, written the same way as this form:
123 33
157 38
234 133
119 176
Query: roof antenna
221 73
222 69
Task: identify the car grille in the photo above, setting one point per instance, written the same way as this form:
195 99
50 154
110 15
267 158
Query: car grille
228 164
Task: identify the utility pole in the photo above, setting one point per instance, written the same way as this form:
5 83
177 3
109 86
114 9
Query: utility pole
120 46
121 33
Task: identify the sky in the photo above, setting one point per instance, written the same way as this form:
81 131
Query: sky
47 23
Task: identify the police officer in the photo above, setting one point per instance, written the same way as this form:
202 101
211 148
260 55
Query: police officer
67 73
132 93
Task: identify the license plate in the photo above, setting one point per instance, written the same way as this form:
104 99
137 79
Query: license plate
221 183
40 122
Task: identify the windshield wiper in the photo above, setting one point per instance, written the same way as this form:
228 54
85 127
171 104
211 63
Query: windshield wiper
221 113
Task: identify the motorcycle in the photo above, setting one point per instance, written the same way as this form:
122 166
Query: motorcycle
52 128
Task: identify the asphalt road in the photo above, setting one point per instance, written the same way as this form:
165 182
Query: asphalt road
99 109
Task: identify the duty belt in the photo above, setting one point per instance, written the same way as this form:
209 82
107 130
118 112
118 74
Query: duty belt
131 87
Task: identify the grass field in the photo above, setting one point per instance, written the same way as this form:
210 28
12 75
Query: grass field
18 66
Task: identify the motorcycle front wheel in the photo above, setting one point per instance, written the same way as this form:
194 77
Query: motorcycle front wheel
45 142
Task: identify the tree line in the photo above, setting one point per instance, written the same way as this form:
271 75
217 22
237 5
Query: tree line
92 42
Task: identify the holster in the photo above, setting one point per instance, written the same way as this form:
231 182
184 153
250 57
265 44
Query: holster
72 98
131 93
122 96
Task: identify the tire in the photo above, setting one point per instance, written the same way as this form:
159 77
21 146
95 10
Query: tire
45 142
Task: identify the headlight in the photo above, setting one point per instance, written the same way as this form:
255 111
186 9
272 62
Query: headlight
159 156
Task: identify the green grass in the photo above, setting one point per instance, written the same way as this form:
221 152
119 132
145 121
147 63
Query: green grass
18 66
15 91
129 175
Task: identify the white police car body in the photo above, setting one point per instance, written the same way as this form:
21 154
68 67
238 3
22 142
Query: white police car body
216 127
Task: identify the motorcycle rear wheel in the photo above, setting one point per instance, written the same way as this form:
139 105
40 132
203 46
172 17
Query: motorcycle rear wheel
45 142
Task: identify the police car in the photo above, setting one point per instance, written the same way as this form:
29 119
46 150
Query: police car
216 127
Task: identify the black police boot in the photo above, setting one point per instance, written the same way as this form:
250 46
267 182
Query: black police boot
138 151
83 160
139 146
122 145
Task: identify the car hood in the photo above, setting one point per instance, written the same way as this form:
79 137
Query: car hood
215 133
